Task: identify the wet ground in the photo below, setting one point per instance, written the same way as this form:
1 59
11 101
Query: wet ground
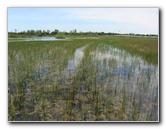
109 84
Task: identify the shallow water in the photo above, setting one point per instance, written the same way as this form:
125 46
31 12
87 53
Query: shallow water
138 77
73 64
126 85
120 70
34 39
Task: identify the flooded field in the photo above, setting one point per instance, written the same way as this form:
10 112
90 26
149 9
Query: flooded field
80 80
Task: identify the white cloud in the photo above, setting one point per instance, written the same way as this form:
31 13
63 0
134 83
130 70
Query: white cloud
146 17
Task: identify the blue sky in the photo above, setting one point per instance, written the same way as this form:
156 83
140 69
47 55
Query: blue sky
121 20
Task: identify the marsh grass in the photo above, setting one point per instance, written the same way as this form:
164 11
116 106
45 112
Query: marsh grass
105 83
147 48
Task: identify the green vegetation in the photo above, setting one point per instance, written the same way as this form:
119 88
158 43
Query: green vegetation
40 33
60 36
32 33
92 78
147 48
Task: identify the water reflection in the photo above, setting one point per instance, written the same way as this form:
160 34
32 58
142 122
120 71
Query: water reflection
34 39
122 76
73 64
123 71
109 84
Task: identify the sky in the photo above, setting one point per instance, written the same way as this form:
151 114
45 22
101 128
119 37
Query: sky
116 20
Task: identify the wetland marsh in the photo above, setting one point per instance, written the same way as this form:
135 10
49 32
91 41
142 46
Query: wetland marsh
89 79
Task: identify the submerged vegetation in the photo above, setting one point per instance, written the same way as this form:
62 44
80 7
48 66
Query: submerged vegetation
83 79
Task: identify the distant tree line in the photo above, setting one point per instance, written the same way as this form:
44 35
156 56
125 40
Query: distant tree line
33 33
72 32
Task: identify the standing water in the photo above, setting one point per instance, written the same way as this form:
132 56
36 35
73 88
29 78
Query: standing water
34 39
132 81
73 63
93 83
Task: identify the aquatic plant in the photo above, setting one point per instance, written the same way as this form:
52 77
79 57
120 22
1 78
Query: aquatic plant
102 79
